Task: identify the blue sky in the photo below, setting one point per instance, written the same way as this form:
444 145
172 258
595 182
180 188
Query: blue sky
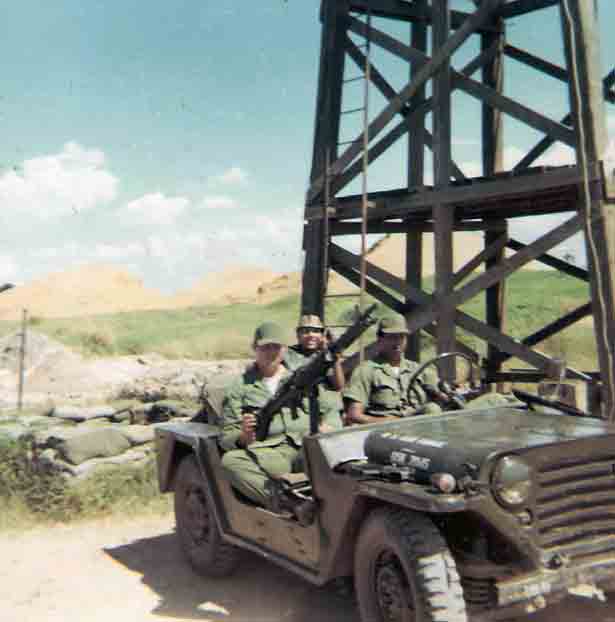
175 138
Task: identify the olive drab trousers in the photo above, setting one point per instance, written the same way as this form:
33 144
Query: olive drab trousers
249 478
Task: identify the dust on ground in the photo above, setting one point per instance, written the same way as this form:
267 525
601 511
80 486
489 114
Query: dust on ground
132 570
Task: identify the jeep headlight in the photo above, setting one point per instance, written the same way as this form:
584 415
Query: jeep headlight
511 481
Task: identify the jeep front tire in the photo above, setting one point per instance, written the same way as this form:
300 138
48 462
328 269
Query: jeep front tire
197 529
404 571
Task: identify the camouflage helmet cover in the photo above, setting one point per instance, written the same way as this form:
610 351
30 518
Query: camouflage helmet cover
310 321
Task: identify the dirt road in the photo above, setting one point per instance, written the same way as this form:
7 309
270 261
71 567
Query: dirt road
132 571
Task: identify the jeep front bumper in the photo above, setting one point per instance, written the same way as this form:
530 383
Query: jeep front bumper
545 583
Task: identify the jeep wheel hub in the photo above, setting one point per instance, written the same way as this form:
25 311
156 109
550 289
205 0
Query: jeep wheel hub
392 592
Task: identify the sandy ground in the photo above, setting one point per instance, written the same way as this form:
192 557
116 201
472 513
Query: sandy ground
133 571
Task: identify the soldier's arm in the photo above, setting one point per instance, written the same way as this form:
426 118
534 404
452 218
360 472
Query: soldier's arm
232 417
356 397
336 375
355 414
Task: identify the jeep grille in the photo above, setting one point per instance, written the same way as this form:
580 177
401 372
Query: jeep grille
575 501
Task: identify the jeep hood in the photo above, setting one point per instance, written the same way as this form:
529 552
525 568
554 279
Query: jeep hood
452 439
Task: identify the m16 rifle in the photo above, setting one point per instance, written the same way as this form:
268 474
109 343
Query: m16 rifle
304 380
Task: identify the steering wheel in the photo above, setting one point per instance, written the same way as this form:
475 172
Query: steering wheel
443 394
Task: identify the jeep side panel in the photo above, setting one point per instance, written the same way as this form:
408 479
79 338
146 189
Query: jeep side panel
279 538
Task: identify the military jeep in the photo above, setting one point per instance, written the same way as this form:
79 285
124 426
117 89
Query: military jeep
474 514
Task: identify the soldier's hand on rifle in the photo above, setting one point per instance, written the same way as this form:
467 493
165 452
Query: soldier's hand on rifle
248 430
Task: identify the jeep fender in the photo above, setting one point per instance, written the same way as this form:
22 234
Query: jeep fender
174 441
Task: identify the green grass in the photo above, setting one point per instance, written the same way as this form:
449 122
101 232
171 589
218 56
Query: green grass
31 495
199 332
214 332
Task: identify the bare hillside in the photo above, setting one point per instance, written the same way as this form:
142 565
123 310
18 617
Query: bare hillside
85 290
98 289
231 285
390 254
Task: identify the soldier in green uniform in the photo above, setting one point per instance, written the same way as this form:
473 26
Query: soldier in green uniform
311 339
249 463
378 389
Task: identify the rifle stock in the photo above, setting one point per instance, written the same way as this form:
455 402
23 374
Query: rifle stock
310 374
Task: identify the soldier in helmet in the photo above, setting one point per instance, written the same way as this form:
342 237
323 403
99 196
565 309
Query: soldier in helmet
250 464
312 338
378 389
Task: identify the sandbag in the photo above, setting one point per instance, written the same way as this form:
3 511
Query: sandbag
51 437
133 457
13 431
138 434
101 443
74 413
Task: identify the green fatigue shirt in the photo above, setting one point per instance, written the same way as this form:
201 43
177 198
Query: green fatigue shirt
383 390
249 393
295 357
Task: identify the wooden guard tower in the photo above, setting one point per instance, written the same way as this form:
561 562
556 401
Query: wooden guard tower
418 116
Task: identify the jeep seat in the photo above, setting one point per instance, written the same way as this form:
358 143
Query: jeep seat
212 396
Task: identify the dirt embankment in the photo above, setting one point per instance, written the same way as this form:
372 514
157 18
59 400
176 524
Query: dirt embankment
98 289
57 375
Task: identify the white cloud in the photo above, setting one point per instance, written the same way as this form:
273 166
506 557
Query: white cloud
48 186
232 176
8 269
219 202
70 250
119 251
473 168
226 234
173 258
157 247
558 155
155 209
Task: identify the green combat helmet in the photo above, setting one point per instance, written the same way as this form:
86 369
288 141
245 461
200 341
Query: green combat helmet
270 332
393 325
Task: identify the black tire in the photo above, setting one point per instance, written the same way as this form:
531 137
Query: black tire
198 532
404 571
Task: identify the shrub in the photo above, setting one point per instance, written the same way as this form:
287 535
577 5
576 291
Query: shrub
97 342
35 320
30 492
131 345
118 488
23 476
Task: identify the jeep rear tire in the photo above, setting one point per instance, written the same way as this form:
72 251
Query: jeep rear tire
197 529
404 571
